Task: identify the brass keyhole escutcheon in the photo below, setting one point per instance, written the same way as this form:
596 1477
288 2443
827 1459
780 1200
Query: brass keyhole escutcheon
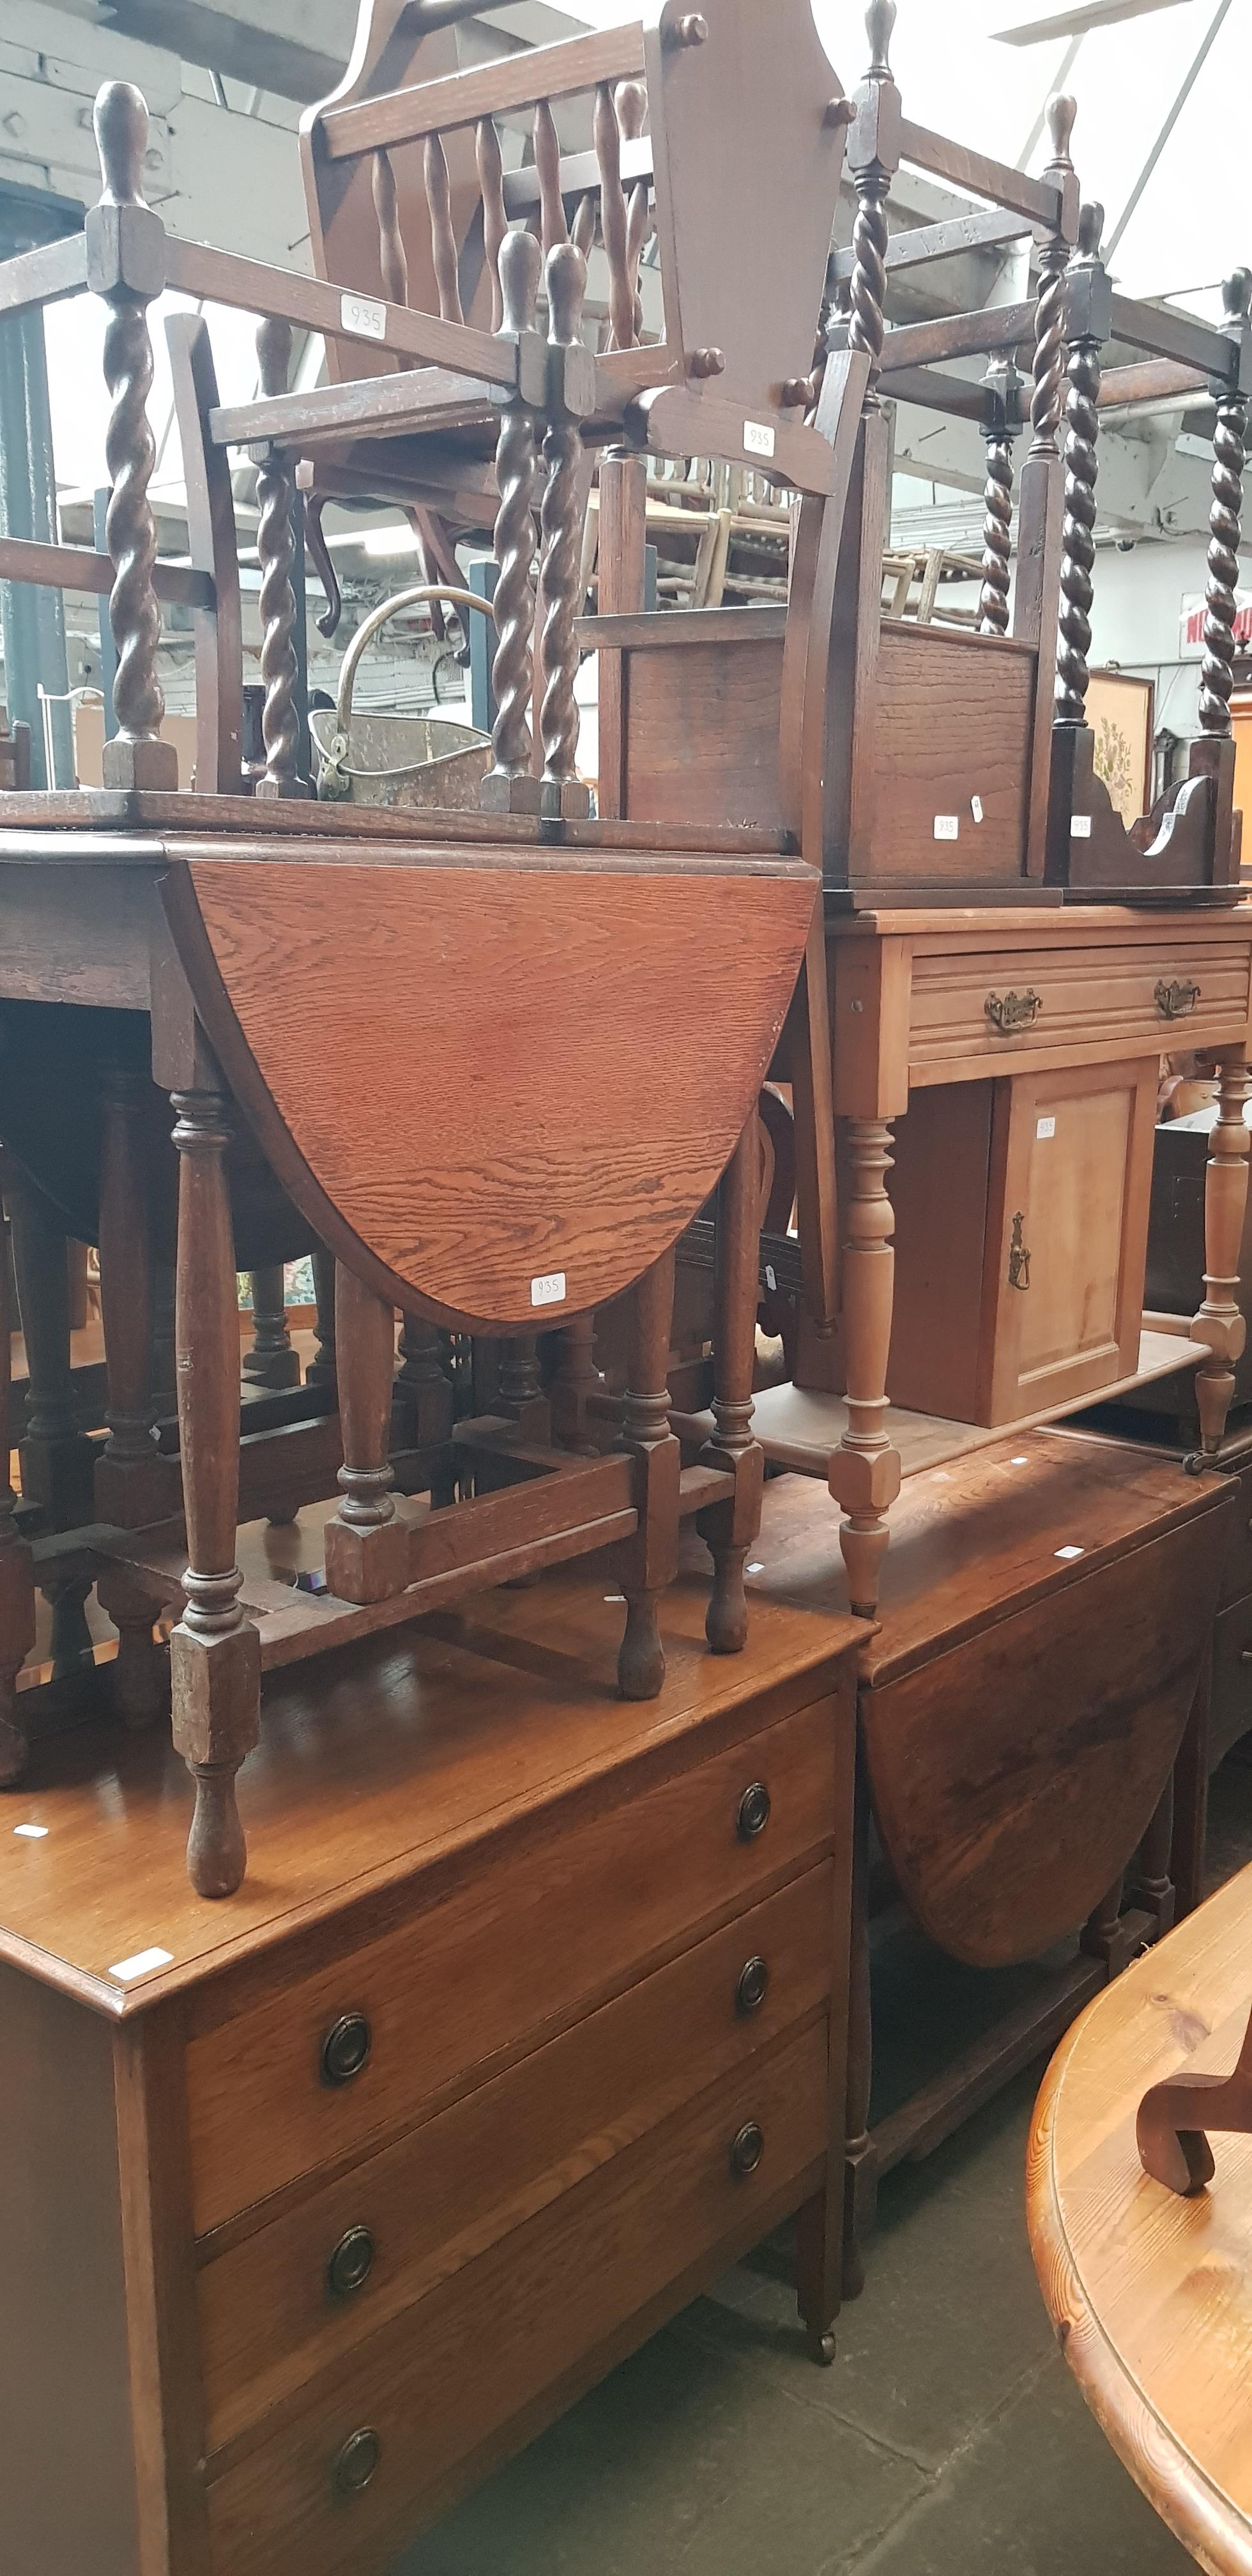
1019 1255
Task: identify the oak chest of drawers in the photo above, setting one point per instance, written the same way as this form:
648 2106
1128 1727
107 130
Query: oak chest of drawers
326 2197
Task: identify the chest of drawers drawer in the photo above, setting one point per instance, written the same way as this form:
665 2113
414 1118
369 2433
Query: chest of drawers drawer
1001 1006
381 2443
310 2075
303 2290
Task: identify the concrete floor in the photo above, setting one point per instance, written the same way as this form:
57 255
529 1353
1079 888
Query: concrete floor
946 2440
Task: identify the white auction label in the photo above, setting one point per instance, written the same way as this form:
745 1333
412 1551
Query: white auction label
1070 1551
1080 827
758 438
142 1965
1045 1126
32 1833
771 1277
947 827
975 807
365 319
548 1291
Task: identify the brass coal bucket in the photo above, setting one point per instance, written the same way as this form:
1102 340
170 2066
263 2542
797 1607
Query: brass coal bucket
425 762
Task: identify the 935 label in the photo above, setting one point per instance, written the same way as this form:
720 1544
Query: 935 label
548 1290
365 319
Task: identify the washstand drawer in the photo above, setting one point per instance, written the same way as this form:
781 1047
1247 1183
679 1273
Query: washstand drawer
297 2294
377 2448
1230 1700
1001 1006
529 1933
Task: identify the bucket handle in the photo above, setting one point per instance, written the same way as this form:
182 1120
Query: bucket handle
366 632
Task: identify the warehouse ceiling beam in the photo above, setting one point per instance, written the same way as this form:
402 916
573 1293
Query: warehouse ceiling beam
294 49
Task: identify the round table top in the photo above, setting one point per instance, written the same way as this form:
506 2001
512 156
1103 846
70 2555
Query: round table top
1150 2294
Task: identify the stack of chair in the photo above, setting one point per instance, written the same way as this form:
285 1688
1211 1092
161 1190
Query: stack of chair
1002 957
474 1064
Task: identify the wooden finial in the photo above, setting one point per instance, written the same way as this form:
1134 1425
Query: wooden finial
567 285
120 117
521 261
273 351
1237 295
690 29
880 19
1090 228
1059 114
630 98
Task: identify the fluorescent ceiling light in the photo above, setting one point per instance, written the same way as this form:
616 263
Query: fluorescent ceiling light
387 541
1078 19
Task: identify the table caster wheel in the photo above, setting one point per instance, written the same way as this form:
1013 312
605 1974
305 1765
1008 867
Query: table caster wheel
822 2348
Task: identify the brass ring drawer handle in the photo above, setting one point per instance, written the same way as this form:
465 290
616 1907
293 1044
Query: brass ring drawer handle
748 2148
357 2461
351 2263
753 1986
753 1815
1008 1012
1173 1001
346 2048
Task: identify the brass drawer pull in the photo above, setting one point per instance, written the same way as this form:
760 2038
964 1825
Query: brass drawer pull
1019 1256
1008 1012
346 2048
753 1986
351 2263
1173 1001
748 2148
753 1815
1246 1655
357 2461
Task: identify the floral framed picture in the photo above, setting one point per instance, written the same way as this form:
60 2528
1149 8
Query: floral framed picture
1119 712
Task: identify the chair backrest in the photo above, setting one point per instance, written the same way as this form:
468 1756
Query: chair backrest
409 195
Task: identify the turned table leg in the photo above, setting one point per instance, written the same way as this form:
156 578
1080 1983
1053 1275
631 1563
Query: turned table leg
1104 1934
271 1360
648 1561
321 1368
521 1395
141 1679
729 1528
17 1581
57 1461
367 1548
1151 1882
865 1470
422 1396
576 1381
423 1400
1220 1321
132 1482
215 1652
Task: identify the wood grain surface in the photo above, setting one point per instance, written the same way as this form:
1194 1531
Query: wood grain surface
1012 1776
952 730
1150 2294
505 1958
451 2188
500 1727
528 2313
575 1110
